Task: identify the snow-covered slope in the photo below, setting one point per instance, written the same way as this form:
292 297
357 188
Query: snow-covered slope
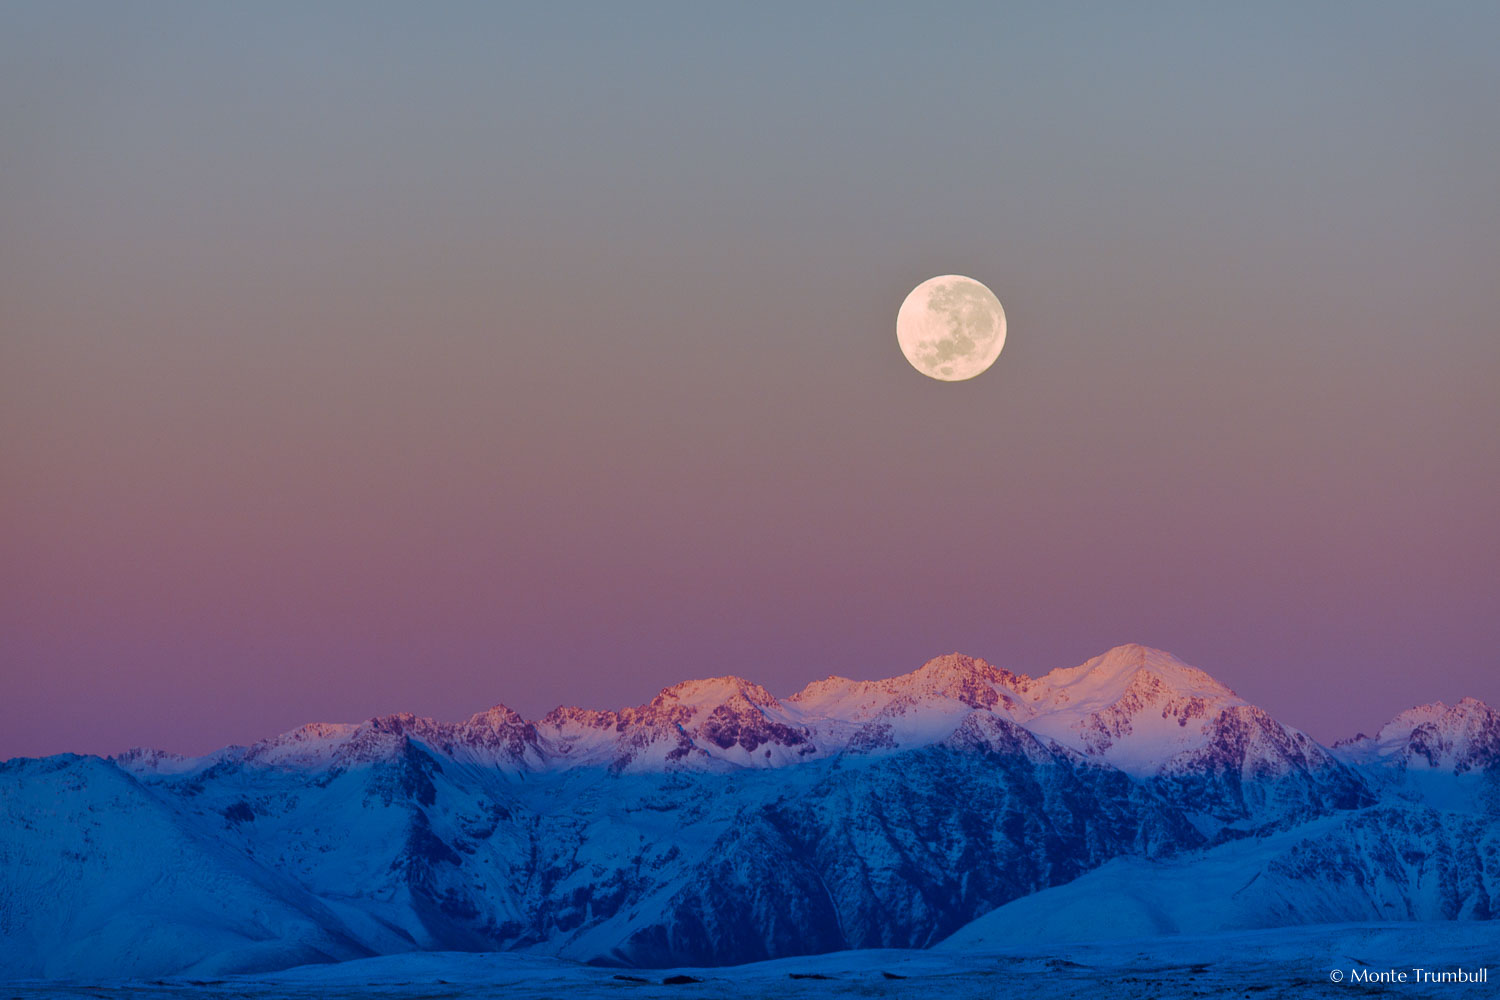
1228 764
1280 964
1134 707
1385 863
714 824
101 877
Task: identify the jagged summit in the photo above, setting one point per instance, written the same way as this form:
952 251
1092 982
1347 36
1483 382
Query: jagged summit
960 666
732 721
497 715
1133 707
498 736
1456 738
711 692
942 683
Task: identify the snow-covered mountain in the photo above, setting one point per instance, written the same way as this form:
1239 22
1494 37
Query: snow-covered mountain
717 823
1457 739
1400 863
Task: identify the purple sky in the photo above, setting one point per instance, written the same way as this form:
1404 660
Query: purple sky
358 360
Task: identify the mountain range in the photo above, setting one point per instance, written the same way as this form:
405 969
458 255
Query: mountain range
718 824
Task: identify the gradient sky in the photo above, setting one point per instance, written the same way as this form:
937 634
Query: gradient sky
366 358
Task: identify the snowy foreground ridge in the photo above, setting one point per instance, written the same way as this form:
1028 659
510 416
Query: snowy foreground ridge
958 804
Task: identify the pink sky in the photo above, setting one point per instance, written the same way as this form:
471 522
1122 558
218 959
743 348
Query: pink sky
337 379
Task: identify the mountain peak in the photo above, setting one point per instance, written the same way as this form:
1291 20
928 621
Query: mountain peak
1112 674
957 677
710 692
963 666
1455 738
1133 705
497 715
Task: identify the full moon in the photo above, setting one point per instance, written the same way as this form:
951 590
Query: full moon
951 328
